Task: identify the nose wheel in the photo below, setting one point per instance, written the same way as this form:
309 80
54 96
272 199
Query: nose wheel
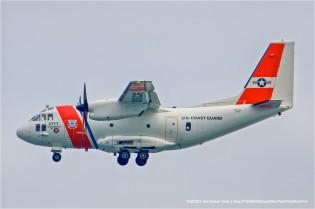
56 157
123 157
142 158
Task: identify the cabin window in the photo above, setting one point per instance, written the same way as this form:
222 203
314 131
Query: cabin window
188 126
148 125
43 127
111 125
37 127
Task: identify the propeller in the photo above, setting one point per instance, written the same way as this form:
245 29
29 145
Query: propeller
83 107
79 101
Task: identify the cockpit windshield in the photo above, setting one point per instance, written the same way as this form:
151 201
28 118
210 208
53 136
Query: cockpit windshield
35 118
43 117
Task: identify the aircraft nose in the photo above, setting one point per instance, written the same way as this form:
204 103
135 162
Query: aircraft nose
21 132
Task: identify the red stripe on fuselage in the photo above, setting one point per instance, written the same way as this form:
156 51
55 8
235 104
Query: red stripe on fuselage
76 132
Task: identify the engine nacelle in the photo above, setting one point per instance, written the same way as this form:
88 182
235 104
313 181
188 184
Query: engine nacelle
114 110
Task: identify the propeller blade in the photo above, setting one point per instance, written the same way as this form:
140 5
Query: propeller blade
79 102
85 106
84 120
85 101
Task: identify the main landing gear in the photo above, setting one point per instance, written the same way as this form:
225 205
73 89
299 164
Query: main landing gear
123 157
141 159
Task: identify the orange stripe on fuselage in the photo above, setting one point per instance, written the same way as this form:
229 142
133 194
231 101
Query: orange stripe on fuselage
77 134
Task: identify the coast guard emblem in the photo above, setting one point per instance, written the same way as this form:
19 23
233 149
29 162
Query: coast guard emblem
72 123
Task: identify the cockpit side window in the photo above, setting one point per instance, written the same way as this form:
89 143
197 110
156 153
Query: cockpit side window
43 117
35 118
37 127
43 127
50 117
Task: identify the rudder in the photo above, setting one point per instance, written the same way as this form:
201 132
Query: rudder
285 80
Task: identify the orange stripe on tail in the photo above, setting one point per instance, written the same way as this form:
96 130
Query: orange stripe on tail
253 96
261 84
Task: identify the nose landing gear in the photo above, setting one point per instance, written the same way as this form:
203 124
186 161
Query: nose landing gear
56 157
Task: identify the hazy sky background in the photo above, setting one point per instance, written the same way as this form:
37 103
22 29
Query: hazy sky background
194 53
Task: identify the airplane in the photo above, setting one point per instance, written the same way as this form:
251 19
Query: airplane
136 122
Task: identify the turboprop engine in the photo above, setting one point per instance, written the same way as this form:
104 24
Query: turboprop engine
114 110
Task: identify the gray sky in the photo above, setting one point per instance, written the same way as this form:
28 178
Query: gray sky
194 53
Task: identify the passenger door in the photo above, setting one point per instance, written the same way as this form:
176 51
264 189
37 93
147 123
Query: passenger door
171 129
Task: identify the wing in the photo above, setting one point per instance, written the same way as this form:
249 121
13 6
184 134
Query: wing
140 92
138 97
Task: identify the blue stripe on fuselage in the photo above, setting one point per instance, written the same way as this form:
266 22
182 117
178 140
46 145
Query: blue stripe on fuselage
91 134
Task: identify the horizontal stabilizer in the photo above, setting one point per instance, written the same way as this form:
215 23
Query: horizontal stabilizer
268 104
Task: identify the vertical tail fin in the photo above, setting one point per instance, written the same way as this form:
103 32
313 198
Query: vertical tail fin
273 77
